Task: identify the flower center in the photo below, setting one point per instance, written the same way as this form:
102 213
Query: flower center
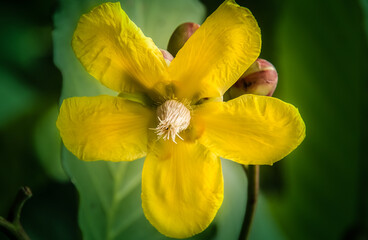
173 118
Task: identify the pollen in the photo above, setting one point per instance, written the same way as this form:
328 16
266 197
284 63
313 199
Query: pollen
173 117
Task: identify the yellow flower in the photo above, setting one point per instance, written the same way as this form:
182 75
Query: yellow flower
166 113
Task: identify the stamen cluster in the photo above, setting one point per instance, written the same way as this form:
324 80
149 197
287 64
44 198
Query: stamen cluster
173 117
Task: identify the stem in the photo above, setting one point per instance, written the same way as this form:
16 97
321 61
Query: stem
252 173
12 226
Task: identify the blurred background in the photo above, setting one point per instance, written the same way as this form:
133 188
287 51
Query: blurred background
319 48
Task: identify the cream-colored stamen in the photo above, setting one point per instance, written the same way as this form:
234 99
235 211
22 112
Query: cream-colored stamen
173 118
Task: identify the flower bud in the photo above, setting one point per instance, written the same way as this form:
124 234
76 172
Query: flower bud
167 56
181 34
260 79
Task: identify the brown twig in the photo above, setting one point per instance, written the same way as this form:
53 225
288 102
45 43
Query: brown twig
252 172
12 226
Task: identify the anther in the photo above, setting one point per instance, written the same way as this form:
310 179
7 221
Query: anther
173 118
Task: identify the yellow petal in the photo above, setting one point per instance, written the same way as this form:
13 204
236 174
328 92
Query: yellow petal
217 54
104 128
182 188
249 129
116 52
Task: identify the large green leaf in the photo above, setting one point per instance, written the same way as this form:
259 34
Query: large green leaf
110 203
264 225
322 56
47 144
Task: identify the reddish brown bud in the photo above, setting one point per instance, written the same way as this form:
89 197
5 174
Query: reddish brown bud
181 34
260 79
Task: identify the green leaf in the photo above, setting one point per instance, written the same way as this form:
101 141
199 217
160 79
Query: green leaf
264 225
110 203
322 55
47 144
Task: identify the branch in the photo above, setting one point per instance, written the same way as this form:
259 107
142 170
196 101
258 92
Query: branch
252 173
12 226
